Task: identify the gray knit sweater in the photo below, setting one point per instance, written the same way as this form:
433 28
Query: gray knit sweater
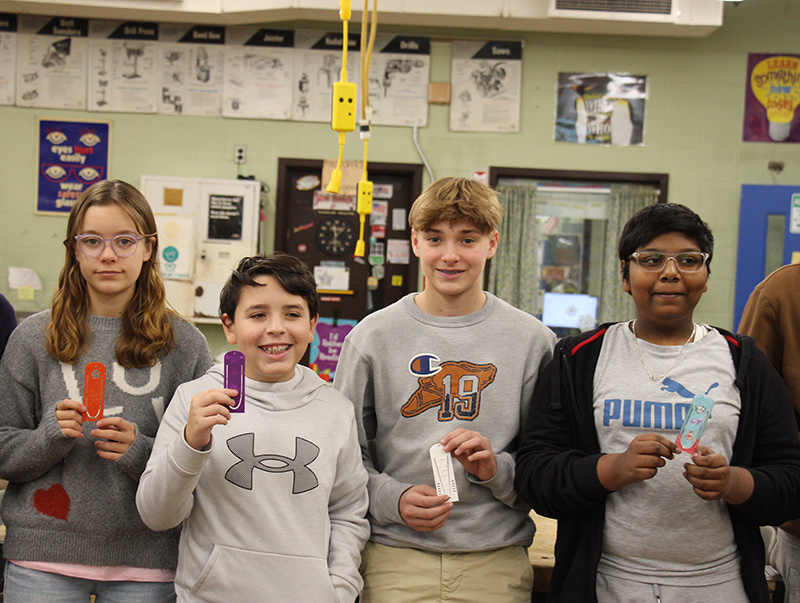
64 503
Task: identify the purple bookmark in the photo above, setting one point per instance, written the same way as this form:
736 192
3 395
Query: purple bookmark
234 378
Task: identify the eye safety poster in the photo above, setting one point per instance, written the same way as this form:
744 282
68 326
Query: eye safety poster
72 155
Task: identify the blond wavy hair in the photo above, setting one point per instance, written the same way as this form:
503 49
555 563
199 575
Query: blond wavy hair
146 328
456 200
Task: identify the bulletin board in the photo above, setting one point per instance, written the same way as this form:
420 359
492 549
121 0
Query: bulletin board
205 227
322 230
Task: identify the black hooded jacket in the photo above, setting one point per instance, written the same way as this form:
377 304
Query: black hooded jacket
556 466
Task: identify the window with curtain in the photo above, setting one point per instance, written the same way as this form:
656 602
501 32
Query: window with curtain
557 254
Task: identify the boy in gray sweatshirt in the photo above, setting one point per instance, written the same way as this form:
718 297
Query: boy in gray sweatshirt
456 366
273 505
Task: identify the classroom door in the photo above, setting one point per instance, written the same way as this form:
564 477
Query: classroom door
769 237
322 232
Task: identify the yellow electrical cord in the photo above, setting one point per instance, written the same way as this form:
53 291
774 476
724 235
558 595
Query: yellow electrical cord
343 111
365 186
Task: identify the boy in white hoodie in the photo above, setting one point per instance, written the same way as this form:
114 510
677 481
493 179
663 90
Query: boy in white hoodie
277 512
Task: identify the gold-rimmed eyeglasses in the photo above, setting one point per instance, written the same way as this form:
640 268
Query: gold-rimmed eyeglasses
654 261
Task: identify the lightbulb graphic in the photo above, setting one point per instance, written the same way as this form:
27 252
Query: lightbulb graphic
775 81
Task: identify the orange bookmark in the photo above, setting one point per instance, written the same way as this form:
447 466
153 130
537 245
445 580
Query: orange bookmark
94 391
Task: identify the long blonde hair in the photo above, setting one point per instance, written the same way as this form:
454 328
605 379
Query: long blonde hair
146 328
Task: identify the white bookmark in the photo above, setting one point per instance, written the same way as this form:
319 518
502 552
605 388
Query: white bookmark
443 472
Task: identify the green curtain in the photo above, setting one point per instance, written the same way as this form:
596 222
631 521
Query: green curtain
514 273
625 200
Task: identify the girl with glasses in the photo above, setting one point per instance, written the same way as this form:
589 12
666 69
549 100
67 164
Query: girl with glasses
641 518
74 441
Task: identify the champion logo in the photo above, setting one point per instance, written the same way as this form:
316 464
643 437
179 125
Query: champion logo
424 365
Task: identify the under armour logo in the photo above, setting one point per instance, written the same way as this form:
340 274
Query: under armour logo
241 474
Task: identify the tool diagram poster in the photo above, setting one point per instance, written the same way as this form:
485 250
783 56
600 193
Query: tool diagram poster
8 57
123 66
317 65
486 80
772 95
72 156
601 108
192 59
398 80
52 62
258 73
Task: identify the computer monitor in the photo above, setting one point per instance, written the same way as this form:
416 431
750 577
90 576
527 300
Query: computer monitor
570 310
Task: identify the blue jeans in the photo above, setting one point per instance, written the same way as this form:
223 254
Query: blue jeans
23 585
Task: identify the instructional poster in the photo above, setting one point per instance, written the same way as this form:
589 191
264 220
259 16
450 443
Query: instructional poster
8 57
52 62
225 217
72 156
486 79
192 60
123 66
772 95
317 65
258 73
601 108
398 80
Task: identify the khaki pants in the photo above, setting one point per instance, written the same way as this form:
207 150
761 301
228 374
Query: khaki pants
399 575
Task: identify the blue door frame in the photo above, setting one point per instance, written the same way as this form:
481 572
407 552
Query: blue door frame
757 203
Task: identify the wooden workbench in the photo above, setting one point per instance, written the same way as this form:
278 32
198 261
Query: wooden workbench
541 552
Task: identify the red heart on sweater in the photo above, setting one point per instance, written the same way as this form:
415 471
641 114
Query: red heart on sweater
53 502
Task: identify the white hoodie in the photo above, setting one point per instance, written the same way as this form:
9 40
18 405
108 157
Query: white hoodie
275 509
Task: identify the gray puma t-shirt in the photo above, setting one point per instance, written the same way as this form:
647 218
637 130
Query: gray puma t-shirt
660 529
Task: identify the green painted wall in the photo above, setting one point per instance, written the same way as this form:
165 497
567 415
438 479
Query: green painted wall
693 132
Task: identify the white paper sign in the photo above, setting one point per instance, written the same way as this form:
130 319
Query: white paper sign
123 67
258 73
398 80
486 86
398 251
192 63
317 65
794 225
332 278
176 246
23 277
8 58
52 59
